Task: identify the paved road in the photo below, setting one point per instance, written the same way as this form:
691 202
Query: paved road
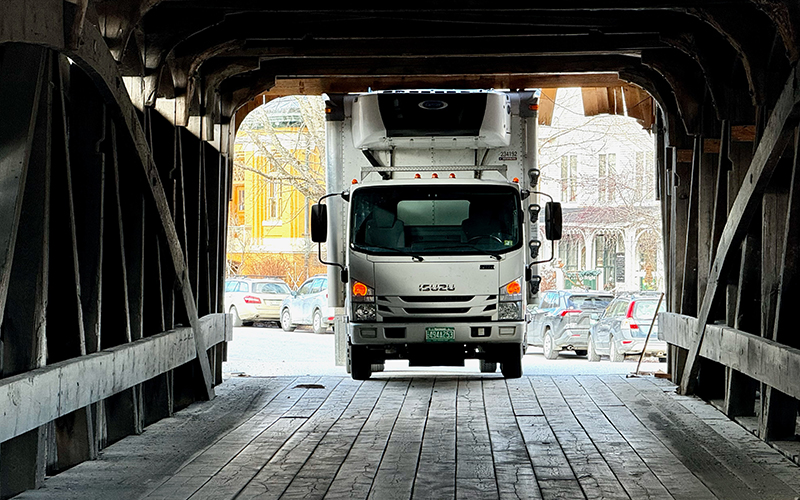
269 352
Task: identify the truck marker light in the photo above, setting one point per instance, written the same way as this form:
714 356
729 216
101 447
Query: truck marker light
354 181
515 179
513 288
359 289
417 176
434 176
533 107
452 176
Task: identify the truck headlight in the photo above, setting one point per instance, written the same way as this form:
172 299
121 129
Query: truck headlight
362 299
510 301
363 312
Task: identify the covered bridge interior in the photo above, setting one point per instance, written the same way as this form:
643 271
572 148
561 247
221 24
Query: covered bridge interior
117 120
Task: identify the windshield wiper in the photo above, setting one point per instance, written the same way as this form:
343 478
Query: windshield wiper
494 255
397 251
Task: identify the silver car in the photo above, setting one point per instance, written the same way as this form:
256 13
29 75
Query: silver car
250 299
562 320
623 327
308 306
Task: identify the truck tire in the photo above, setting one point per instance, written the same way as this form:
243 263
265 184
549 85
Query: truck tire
512 367
360 367
613 354
592 355
549 346
487 366
286 321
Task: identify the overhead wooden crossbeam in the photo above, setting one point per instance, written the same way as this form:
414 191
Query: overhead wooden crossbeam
777 135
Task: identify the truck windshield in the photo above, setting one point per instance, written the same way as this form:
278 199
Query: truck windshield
436 220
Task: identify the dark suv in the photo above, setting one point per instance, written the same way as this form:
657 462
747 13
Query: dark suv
562 319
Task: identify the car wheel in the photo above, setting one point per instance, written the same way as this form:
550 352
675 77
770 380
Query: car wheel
360 367
319 326
286 321
237 321
487 366
614 354
592 351
549 346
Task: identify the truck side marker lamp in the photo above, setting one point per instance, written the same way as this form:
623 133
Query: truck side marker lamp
417 176
434 176
533 175
534 283
515 179
534 246
354 181
513 288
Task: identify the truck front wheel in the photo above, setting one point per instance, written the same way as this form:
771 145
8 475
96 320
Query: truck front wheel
511 365
360 367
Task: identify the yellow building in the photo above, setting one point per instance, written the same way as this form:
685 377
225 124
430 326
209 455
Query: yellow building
278 173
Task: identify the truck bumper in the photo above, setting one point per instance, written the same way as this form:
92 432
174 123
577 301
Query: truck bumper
422 333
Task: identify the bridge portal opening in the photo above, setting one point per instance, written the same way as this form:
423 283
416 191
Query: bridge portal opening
597 160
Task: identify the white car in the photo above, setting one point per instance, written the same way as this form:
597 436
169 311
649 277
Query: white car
250 299
308 306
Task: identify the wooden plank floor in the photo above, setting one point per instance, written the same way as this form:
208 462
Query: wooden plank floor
393 437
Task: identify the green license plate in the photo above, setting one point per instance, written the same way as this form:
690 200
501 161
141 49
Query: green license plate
440 334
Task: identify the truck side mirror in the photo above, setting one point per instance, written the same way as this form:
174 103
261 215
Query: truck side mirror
319 223
533 211
552 220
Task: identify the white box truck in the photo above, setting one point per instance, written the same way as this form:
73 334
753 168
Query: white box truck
431 221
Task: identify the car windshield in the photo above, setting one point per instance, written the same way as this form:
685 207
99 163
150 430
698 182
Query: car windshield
645 309
586 302
436 220
280 288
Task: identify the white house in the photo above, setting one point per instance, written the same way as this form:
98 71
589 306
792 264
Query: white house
601 168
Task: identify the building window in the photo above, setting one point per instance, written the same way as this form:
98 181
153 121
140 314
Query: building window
571 252
275 199
606 180
240 199
606 249
569 178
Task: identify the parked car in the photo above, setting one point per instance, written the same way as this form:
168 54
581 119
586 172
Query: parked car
623 327
308 306
250 299
562 319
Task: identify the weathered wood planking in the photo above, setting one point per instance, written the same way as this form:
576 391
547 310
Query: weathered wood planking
47 393
762 359
597 437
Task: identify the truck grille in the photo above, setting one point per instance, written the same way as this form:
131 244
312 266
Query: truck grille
435 298
435 307
438 310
